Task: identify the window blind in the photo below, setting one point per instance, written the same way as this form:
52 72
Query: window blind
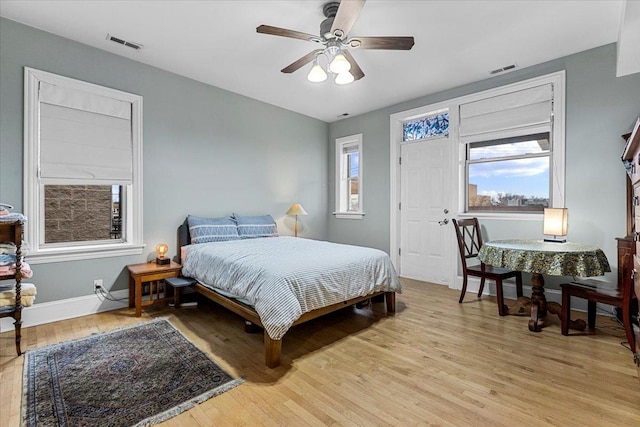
84 136
513 114
348 149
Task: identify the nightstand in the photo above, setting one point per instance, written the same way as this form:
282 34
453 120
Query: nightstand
152 274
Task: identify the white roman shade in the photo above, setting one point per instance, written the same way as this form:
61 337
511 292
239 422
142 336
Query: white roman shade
84 136
348 149
523 112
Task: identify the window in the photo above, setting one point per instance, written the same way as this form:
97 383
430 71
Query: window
509 175
435 124
349 177
83 165
512 164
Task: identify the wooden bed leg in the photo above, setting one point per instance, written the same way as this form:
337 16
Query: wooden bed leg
272 349
390 298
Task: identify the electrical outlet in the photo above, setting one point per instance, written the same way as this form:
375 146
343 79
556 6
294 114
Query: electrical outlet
97 284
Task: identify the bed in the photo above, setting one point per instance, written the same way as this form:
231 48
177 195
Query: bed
278 282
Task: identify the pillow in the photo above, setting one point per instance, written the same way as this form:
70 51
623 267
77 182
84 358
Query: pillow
203 230
256 226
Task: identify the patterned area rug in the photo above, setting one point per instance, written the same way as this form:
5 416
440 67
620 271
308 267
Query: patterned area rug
135 376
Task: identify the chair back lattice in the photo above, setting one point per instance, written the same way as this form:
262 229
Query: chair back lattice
469 237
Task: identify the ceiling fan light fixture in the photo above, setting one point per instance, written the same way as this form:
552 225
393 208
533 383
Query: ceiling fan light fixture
344 78
316 74
339 64
334 36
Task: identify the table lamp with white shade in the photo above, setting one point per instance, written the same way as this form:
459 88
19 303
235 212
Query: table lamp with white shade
555 223
296 209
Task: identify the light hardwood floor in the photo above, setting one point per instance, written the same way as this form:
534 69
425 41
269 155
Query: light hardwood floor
435 362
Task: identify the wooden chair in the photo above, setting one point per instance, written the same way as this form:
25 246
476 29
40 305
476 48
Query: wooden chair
618 294
469 244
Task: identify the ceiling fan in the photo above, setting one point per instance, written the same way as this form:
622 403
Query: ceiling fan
334 37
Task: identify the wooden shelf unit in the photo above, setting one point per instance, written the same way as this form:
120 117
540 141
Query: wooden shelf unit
11 232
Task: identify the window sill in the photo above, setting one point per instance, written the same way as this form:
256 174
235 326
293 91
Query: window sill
48 255
349 215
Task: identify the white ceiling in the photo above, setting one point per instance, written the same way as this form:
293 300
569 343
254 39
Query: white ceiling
215 42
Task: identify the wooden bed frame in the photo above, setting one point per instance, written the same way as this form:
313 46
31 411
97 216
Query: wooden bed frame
272 348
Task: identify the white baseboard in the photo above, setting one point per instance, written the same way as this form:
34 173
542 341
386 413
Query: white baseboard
54 311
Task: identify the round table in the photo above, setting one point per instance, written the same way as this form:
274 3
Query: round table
539 257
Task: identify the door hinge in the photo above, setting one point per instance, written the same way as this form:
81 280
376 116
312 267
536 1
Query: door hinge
400 206
399 160
399 251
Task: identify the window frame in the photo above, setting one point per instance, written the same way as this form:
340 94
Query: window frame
558 79
557 171
342 179
468 162
132 237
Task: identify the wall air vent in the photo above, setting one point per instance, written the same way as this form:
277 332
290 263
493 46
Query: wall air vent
132 45
503 69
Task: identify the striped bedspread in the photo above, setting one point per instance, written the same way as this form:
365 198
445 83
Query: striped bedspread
284 277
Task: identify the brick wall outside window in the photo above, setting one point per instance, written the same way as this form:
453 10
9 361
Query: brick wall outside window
77 213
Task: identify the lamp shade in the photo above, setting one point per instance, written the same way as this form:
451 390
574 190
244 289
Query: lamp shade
344 78
555 221
340 64
316 74
296 209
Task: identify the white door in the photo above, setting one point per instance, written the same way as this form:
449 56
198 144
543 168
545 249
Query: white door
425 197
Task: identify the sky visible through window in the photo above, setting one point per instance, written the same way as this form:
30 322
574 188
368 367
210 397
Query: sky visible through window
523 176
115 193
354 164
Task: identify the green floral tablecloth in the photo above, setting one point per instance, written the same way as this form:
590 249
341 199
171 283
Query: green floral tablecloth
538 256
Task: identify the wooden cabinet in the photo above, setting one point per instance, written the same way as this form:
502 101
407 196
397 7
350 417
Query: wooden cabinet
631 159
11 232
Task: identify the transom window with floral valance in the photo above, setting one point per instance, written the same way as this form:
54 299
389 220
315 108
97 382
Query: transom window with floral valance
426 127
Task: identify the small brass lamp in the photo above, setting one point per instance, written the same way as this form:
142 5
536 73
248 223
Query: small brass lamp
295 210
161 250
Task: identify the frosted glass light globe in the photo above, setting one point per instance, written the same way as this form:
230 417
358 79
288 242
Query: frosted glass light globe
339 64
316 74
344 78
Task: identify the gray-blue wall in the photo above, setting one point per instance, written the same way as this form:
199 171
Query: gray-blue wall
599 108
210 152
207 151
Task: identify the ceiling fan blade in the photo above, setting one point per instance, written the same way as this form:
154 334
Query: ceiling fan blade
283 32
355 70
389 43
346 16
301 62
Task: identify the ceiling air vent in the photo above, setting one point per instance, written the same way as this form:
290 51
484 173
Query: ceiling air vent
503 69
132 45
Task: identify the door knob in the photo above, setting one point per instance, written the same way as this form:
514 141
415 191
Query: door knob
444 222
